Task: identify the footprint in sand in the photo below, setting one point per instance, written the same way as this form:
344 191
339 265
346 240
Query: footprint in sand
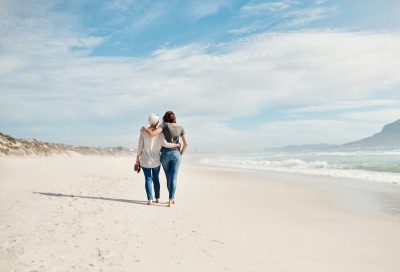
100 255
176 259
216 241
206 253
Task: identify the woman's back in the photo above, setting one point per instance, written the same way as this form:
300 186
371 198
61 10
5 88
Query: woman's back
149 148
172 132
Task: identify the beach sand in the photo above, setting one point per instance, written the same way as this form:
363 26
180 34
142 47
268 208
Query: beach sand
89 214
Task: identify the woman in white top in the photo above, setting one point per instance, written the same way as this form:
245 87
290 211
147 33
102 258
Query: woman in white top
148 154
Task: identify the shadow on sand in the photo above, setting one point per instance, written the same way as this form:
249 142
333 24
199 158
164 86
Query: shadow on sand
99 198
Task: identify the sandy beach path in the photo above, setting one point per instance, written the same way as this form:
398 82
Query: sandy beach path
89 214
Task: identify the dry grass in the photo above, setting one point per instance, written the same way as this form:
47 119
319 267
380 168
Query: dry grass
22 147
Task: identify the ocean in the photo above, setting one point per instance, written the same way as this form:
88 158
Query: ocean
369 165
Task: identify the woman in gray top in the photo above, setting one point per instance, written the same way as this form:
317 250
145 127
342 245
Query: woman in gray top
170 157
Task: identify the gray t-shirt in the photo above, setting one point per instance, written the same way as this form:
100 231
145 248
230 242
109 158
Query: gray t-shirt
172 134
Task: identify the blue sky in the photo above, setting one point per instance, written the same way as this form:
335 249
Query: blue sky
240 75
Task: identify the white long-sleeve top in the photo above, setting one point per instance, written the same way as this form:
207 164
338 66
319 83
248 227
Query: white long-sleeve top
149 149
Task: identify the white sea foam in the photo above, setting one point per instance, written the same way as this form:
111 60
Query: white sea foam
323 164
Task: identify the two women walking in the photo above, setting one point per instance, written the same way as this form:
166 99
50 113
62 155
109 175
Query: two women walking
160 145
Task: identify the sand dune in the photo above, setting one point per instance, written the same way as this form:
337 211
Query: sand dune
88 214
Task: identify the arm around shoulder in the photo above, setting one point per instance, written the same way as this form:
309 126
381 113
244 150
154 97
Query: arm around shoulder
152 132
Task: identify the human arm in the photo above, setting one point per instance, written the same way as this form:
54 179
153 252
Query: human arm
185 144
152 132
164 143
140 148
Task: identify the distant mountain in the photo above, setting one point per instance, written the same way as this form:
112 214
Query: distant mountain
389 137
21 147
309 147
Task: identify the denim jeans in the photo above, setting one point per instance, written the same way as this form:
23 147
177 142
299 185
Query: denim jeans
151 176
170 161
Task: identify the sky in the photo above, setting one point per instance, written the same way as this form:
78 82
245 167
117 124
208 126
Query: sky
239 75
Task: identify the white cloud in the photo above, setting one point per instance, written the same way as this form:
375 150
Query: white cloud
314 131
202 8
10 63
346 128
122 5
132 16
49 81
259 8
303 17
286 14
381 116
183 52
319 2
245 30
346 105
34 31
143 19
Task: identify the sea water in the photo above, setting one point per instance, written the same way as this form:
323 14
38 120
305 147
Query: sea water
369 165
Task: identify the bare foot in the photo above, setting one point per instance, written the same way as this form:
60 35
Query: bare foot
157 200
149 202
171 203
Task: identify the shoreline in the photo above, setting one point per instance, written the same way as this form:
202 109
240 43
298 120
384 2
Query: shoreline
371 197
344 166
89 214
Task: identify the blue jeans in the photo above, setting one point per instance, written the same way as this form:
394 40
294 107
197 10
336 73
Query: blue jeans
170 161
151 176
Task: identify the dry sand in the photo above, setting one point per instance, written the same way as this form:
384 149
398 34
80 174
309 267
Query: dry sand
89 214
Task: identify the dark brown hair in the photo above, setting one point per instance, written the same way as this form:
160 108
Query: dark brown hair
169 117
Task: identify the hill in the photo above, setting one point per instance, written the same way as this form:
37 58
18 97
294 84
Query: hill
21 147
388 137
